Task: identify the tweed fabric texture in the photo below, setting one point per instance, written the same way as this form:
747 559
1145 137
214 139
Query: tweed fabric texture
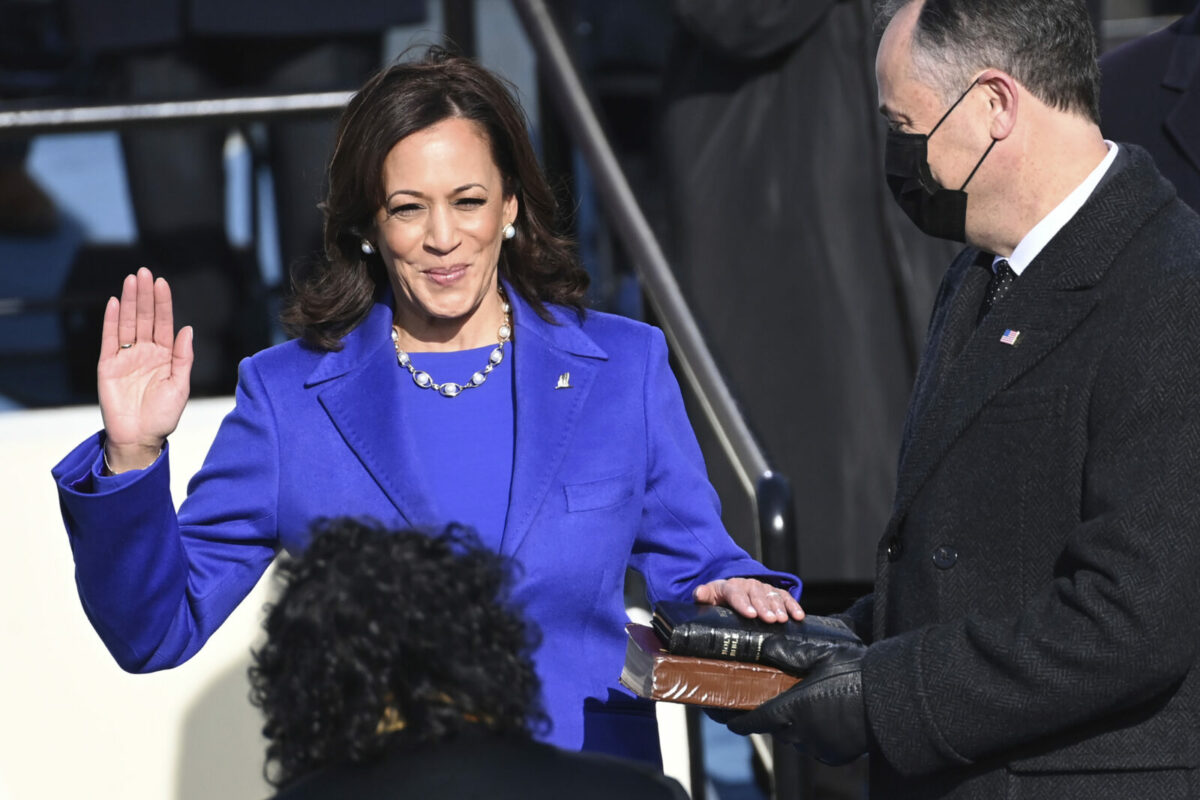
1036 614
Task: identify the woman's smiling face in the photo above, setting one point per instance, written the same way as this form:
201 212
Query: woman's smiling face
440 231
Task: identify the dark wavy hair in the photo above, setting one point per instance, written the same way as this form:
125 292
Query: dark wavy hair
332 296
376 625
1049 46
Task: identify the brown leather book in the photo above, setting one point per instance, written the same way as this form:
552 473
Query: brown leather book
651 672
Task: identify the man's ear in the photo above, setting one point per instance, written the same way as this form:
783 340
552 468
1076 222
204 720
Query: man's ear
1003 95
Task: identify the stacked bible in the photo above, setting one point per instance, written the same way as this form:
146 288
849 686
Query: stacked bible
710 656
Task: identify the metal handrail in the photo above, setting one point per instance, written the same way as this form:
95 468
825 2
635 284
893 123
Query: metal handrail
32 121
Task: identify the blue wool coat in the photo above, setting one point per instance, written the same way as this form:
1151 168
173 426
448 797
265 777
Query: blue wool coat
606 475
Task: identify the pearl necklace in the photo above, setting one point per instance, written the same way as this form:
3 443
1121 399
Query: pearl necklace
451 389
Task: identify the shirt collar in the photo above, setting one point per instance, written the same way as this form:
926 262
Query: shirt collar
1041 234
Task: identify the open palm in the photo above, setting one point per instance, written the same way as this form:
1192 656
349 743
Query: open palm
144 372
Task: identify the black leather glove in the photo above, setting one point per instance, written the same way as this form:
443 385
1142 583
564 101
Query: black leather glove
823 714
797 655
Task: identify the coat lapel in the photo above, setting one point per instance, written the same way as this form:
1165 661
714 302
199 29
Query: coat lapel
359 393
987 365
951 334
546 416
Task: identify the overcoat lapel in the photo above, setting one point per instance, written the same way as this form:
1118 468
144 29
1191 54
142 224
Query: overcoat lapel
546 416
960 322
948 336
360 395
986 366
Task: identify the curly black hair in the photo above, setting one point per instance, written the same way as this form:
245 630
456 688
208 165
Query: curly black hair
378 626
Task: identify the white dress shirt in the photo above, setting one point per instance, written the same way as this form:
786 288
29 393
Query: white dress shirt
1049 226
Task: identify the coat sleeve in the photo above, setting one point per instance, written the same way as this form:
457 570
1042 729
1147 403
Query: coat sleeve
860 617
156 584
1112 634
682 542
750 29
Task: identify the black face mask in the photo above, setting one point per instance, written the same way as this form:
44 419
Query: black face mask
936 210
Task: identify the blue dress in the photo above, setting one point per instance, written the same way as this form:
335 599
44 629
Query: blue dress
466 441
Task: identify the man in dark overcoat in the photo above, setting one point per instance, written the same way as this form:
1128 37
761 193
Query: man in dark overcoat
1035 624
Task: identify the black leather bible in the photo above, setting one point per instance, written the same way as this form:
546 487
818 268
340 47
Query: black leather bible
704 631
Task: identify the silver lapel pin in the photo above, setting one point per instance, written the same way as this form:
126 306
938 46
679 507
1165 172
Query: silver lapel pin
564 381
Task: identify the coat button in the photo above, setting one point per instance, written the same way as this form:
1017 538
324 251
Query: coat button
894 548
945 557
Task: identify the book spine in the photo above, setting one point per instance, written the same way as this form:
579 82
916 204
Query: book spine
725 643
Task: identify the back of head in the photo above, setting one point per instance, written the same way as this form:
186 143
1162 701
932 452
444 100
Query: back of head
384 637
1048 46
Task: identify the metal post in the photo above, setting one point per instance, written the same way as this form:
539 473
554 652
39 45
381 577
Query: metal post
777 522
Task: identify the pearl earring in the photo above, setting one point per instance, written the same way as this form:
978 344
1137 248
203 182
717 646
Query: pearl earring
509 231
367 248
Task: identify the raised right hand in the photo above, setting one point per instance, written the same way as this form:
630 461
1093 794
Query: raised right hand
144 374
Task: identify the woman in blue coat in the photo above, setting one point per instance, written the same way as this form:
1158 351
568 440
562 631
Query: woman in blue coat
445 370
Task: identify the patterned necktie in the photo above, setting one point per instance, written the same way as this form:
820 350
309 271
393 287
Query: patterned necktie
1001 281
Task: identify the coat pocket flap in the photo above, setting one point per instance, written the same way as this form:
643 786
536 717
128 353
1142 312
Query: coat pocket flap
599 494
1016 405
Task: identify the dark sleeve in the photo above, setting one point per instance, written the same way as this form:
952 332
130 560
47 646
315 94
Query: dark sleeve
859 617
1112 633
750 29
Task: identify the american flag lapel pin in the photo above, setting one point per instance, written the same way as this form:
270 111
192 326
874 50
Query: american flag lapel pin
1011 337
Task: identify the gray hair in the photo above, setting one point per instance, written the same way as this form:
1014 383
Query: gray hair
1048 46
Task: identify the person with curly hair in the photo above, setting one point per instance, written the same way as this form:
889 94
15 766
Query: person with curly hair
395 666
445 370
